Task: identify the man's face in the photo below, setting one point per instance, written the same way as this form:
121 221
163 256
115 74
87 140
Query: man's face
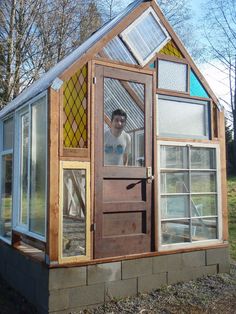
118 122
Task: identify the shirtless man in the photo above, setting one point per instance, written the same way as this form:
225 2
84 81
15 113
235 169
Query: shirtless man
117 142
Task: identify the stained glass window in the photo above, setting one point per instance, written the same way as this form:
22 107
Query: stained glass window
170 49
75 110
196 87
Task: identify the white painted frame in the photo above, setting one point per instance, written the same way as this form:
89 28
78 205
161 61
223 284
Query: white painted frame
167 247
16 182
125 33
3 153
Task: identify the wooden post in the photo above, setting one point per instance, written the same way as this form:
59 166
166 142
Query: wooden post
53 177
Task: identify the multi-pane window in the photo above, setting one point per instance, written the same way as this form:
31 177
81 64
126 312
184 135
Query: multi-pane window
6 163
31 168
188 194
145 36
183 117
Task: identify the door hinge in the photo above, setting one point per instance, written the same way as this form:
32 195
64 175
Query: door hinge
93 227
94 80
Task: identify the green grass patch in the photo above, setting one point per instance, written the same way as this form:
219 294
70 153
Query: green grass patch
232 215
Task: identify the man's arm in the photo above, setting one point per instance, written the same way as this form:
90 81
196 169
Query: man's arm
127 150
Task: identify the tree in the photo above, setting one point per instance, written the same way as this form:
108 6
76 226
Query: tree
220 35
36 34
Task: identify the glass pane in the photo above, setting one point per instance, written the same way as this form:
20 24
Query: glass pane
139 148
38 168
146 36
116 50
172 75
204 229
6 197
24 168
74 212
182 119
203 158
174 182
204 205
75 114
177 231
174 157
174 206
8 131
203 182
123 117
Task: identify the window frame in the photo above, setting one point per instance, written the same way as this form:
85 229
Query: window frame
2 154
207 117
76 165
173 60
17 226
137 55
219 220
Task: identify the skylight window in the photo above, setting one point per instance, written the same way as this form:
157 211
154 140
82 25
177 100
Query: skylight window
145 36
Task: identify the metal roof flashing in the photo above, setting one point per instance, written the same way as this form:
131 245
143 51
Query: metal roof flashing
48 78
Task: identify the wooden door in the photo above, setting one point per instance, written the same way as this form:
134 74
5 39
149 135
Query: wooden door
123 193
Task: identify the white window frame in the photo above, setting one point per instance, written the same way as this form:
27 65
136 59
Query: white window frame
124 36
16 182
173 246
2 154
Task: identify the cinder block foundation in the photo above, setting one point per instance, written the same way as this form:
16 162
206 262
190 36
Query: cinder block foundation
64 290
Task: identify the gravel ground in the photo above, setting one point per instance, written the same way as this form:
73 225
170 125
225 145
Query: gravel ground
211 294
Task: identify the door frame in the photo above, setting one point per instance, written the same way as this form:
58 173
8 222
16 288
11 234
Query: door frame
124 173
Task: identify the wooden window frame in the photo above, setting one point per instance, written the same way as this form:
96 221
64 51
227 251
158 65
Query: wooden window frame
137 55
207 120
76 165
203 243
173 59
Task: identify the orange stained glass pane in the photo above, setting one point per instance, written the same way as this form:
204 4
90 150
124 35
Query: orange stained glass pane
75 110
171 50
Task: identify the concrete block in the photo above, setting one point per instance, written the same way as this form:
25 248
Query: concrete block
166 263
217 256
190 273
151 282
137 267
104 272
78 309
121 289
86 295
58 300
61 278
224 268
194 259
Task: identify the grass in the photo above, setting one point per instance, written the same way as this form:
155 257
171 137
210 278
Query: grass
232 215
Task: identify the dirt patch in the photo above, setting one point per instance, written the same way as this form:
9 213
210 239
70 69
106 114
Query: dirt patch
211 294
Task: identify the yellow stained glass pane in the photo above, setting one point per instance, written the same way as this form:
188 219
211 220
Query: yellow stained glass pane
171 50
75 110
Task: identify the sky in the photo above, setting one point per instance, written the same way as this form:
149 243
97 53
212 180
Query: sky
216 79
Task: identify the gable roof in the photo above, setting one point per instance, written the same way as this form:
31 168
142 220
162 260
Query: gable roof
47 78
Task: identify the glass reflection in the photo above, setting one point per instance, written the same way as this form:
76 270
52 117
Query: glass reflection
74 212
123 123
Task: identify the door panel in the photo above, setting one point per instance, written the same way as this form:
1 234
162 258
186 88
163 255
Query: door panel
123 196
